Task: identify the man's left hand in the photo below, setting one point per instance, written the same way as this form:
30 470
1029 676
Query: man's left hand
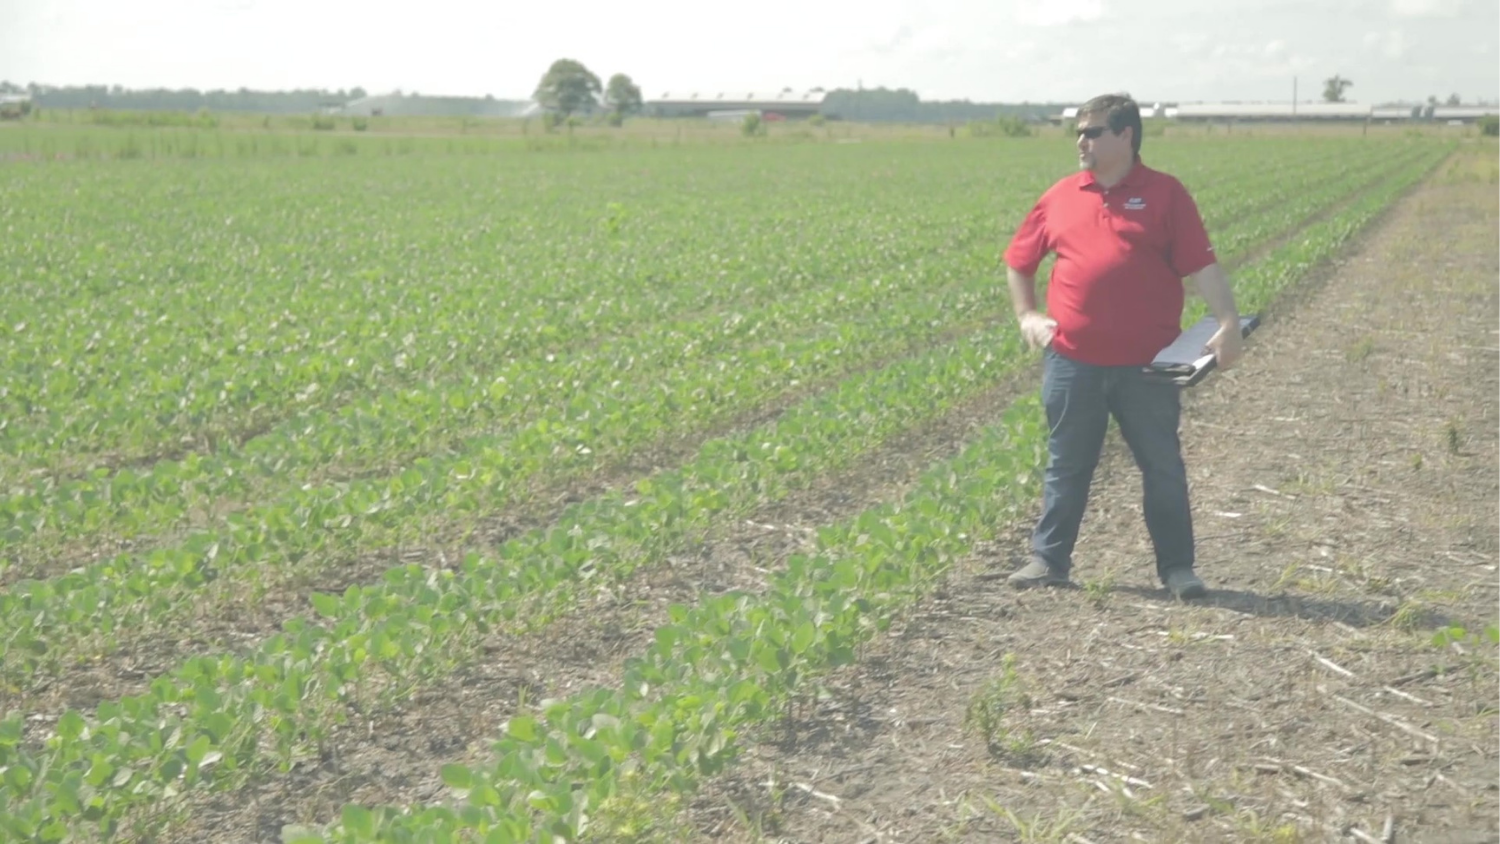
1227 344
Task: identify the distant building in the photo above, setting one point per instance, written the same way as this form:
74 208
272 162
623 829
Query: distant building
1310 111
1147 112
785 104
1462 114
1270 111
411 105
14 106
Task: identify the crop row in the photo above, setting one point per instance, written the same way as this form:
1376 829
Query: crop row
131 141
373 642
224 328
1289 204
325 386
114 357
78 613
391 428
724 666
387 430
90 610
1256 285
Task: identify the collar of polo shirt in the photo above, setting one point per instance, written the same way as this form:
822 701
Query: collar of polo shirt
1134 177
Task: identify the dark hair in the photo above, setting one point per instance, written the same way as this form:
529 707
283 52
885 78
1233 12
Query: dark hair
1119 111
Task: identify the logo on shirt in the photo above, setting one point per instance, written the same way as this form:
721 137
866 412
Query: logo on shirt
1135 203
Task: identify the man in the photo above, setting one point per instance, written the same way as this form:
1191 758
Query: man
1125 237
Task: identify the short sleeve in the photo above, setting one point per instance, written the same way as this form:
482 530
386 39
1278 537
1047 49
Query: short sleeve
1191 249
1031 243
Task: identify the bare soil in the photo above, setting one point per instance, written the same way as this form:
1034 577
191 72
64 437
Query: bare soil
231 618
1344 481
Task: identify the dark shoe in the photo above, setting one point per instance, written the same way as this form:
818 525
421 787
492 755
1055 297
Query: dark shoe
1037 573
1184 584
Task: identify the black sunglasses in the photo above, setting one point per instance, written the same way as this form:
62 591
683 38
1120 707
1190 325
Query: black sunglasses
1092 132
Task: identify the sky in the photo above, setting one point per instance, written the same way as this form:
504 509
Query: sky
981 50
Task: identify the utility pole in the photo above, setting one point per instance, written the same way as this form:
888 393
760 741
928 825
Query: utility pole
1294 98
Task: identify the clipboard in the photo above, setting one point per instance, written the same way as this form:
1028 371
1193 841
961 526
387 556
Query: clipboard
1185 362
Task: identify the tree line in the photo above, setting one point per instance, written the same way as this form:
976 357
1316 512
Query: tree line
567 87
181 99
903 105
299 101
1335 85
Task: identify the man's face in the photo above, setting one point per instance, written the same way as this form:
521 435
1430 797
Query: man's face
1104 150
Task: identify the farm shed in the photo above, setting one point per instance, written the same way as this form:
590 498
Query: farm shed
694 104
1463 114
1395 112
14 106
1147 112
1270 111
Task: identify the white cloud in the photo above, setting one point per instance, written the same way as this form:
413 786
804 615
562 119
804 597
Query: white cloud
976 49
1426 8
1391 44
1059 12
1189 42
1021 50
897 39
934 39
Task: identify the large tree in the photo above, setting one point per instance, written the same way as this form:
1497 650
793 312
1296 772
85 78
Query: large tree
1333 88
567 87
622 96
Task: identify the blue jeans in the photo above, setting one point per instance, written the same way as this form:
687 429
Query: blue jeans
1079 399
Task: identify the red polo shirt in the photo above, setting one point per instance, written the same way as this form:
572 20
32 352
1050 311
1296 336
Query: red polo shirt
1122 253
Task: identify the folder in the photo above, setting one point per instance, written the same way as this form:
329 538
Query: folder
1187 360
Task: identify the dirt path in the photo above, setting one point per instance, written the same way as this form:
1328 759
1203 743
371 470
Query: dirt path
1344 488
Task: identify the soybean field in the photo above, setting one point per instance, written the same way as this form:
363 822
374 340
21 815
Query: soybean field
513 496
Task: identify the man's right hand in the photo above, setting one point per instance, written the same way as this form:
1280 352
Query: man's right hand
1037 329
